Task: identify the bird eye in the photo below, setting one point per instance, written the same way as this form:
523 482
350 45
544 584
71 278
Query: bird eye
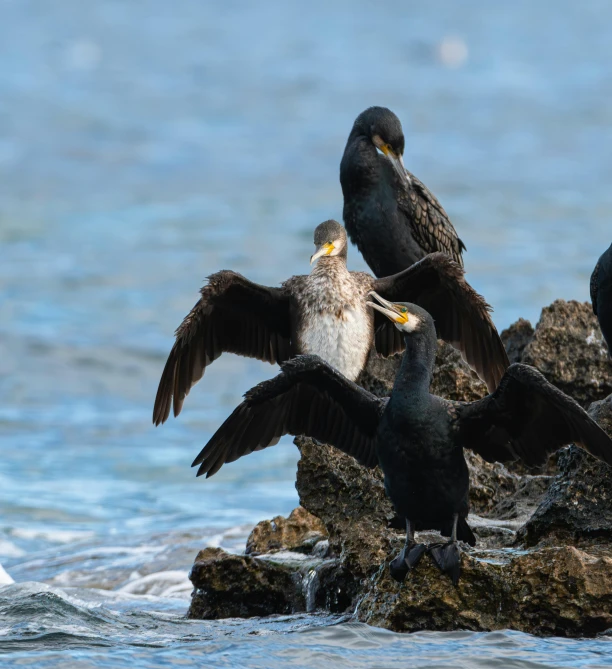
403 310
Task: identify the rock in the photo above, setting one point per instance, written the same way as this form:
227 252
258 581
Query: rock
561 591
239 586
299 532
490 483
568 348
601 413
542 587
516 337
452 377
577 507
351 502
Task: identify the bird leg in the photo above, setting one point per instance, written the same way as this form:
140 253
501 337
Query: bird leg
447 557
409 557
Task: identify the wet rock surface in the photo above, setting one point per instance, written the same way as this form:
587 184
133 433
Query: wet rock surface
239 586
543 560
299 532
562 591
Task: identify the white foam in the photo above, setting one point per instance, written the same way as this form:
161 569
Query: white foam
56 536
8 549
172 583
5 579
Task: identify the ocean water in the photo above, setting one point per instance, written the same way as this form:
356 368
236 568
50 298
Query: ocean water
144 146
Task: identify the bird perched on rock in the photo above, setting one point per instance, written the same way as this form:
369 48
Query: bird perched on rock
416 438
389 214
601 295
325 313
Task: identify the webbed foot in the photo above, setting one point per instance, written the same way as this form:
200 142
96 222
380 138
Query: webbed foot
408 559
447 557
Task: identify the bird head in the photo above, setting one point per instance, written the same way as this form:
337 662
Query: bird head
407 317
329 239
384 130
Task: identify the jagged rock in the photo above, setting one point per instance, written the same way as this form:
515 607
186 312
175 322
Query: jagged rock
239 586
548 588
452 377
490 483
577 507
299 532
562 591
351 502
601 413
568 348
516 337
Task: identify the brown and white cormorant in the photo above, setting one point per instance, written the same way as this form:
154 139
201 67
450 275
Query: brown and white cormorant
389 214
416 438
325 313
601 295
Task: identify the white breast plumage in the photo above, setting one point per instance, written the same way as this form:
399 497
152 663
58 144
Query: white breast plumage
341 339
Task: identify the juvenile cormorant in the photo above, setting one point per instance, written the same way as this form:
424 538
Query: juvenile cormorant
415 437
601 295
325 313
389 214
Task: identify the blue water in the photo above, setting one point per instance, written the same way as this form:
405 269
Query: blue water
144 146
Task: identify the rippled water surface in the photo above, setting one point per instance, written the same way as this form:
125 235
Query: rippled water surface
144 146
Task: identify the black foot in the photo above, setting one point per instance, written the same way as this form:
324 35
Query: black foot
447 557
408 559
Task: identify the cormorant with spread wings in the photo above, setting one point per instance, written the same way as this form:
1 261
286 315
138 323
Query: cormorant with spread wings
325 313
417 438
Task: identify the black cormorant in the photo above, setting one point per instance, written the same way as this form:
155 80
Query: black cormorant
389 214
415 437
601 295
325 313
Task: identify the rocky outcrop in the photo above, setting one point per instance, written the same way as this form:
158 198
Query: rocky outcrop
299 532
543 561
562 591
577 507
568 348
516 338
239 586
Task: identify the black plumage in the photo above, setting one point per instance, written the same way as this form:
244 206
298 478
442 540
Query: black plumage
325 313
389 214
601 295
416 438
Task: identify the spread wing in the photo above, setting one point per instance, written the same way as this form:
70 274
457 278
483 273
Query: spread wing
529 418
232 315
308 397
430 224
461 315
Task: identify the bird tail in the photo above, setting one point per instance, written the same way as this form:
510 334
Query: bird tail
464 532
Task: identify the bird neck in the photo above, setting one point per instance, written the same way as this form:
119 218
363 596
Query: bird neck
416 370
327 264
359 165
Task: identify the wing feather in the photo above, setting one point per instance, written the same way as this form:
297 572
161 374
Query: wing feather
430 224
461 315
308 397
529 418
232 315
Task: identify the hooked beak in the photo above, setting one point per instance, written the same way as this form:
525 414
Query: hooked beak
388 309
397 162
395 159
323 250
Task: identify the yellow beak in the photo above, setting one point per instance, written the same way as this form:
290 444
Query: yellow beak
390 310
323 250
